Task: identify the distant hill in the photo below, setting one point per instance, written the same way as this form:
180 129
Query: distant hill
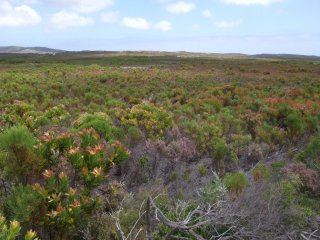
287 56
45 50
29 50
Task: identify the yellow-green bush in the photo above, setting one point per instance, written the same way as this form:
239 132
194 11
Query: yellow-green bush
150 118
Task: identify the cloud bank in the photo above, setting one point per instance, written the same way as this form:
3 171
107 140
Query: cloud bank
22 15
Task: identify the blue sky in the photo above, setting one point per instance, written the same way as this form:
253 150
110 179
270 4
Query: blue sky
221 26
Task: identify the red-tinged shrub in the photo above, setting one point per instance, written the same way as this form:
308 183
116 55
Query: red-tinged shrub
309 177
182 149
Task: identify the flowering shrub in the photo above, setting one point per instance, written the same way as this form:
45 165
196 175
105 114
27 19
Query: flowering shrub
23 113
62 205
65 195
12 230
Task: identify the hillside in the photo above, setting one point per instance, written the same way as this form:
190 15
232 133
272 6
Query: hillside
28 50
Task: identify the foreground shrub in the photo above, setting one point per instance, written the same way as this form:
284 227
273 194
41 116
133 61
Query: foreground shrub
214 191
12 230
18 158
23 204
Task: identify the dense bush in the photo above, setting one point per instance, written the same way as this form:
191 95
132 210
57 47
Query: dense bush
100 122
235 182
18 158
150 118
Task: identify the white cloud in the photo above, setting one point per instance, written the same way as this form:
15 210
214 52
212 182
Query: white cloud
23 15
84 6
110 17
207 14
65 19
143 24
252 2
180 7
163 26
136 23
228 24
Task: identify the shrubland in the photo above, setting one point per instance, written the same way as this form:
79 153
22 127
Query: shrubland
137 147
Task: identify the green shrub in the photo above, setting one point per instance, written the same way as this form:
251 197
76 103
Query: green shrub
100 122
261 171
23 204
135 134
12 231
213 191
235 182
294 124
202 170
150 118
18 158
205 132
220 151
311 154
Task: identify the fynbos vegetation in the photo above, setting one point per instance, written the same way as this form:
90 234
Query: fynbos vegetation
95 147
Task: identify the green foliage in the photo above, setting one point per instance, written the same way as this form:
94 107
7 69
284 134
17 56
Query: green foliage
206 133
23 203
295 124
225 106
220 151
298 205
235 182
18 156
202 170
311 154
152 119
62 205
213 191
12 230
134 134
261 172
100 122
9 232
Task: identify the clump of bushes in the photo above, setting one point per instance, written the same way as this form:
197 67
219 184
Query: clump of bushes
53 200
150 118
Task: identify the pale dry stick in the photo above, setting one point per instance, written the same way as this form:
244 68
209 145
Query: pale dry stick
183 225
116 217
311 235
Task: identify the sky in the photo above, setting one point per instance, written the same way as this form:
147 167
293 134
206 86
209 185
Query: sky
215 26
